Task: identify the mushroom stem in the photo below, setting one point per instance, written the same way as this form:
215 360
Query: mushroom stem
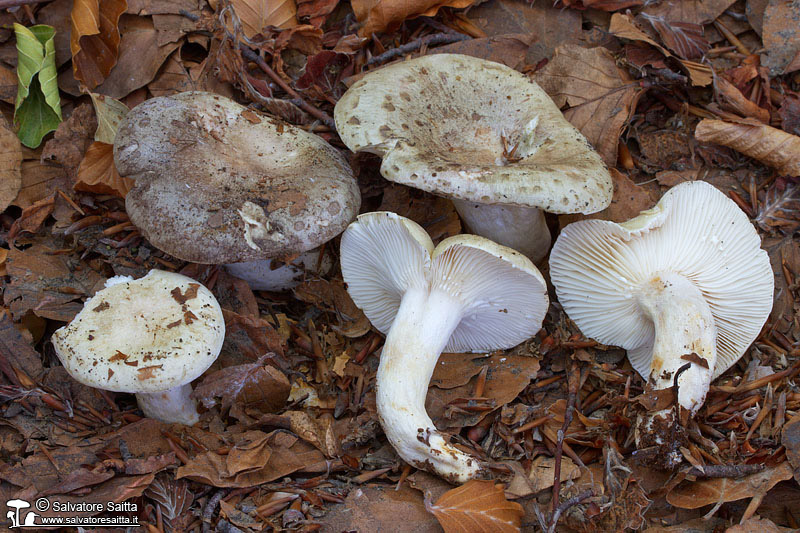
523 229
423 325
683 325
172 405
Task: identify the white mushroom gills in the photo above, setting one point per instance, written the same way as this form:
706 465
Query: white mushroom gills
468 294
684 280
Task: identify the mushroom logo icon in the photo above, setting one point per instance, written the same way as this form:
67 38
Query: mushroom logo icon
13 513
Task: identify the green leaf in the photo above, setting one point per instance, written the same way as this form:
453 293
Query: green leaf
35 117
110 113
38 107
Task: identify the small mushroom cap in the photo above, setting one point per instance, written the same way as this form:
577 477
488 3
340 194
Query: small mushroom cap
695 231
218 183
442 123
504 296
147 335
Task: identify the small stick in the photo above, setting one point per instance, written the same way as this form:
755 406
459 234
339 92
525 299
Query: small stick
731 37
574 383
428 40
302 104
211 506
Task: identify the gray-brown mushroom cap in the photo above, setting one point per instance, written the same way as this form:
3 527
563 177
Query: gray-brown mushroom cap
473 130
217 182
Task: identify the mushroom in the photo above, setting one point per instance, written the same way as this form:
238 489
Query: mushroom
218 183
482 134
684 283
271 275
468 294
151 336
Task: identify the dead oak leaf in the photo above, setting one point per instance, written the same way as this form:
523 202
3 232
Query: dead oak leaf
476 507
382 15
94 39
599 97
98 174
771 146
692 495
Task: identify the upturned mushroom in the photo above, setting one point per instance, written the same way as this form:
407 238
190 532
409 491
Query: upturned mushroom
684 283
218 183
481 134
151 337
468 294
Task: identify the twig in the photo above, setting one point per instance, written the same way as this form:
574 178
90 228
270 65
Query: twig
320 115
726 471
416 44
575 500
574 383
211 506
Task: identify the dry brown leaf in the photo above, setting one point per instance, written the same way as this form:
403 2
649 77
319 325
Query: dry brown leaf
98 174
624 27
599 97
756 525
507 374
50 285
683 38
18 350
39 181
476 507
692 495
510 50
628 201
691 11
781 36
733 100
790 439
332 294
380 508
32 218
246 339
315 12
434 213
255 459
771 146
255 15
10 166
254 386
382 15
94 39
603 5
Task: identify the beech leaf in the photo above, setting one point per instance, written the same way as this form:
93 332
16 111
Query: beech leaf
98 174
771 146
256 15
37 110
94 39
476 507
599 97
110 113
252 385
382 15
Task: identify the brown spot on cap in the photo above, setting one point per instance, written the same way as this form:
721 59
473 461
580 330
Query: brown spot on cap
190 293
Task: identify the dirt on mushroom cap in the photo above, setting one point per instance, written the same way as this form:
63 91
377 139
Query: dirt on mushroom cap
451 124
218 183
145 335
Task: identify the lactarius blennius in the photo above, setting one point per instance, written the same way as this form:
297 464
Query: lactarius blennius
481 134
468 294
151 336
218 183
684 283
